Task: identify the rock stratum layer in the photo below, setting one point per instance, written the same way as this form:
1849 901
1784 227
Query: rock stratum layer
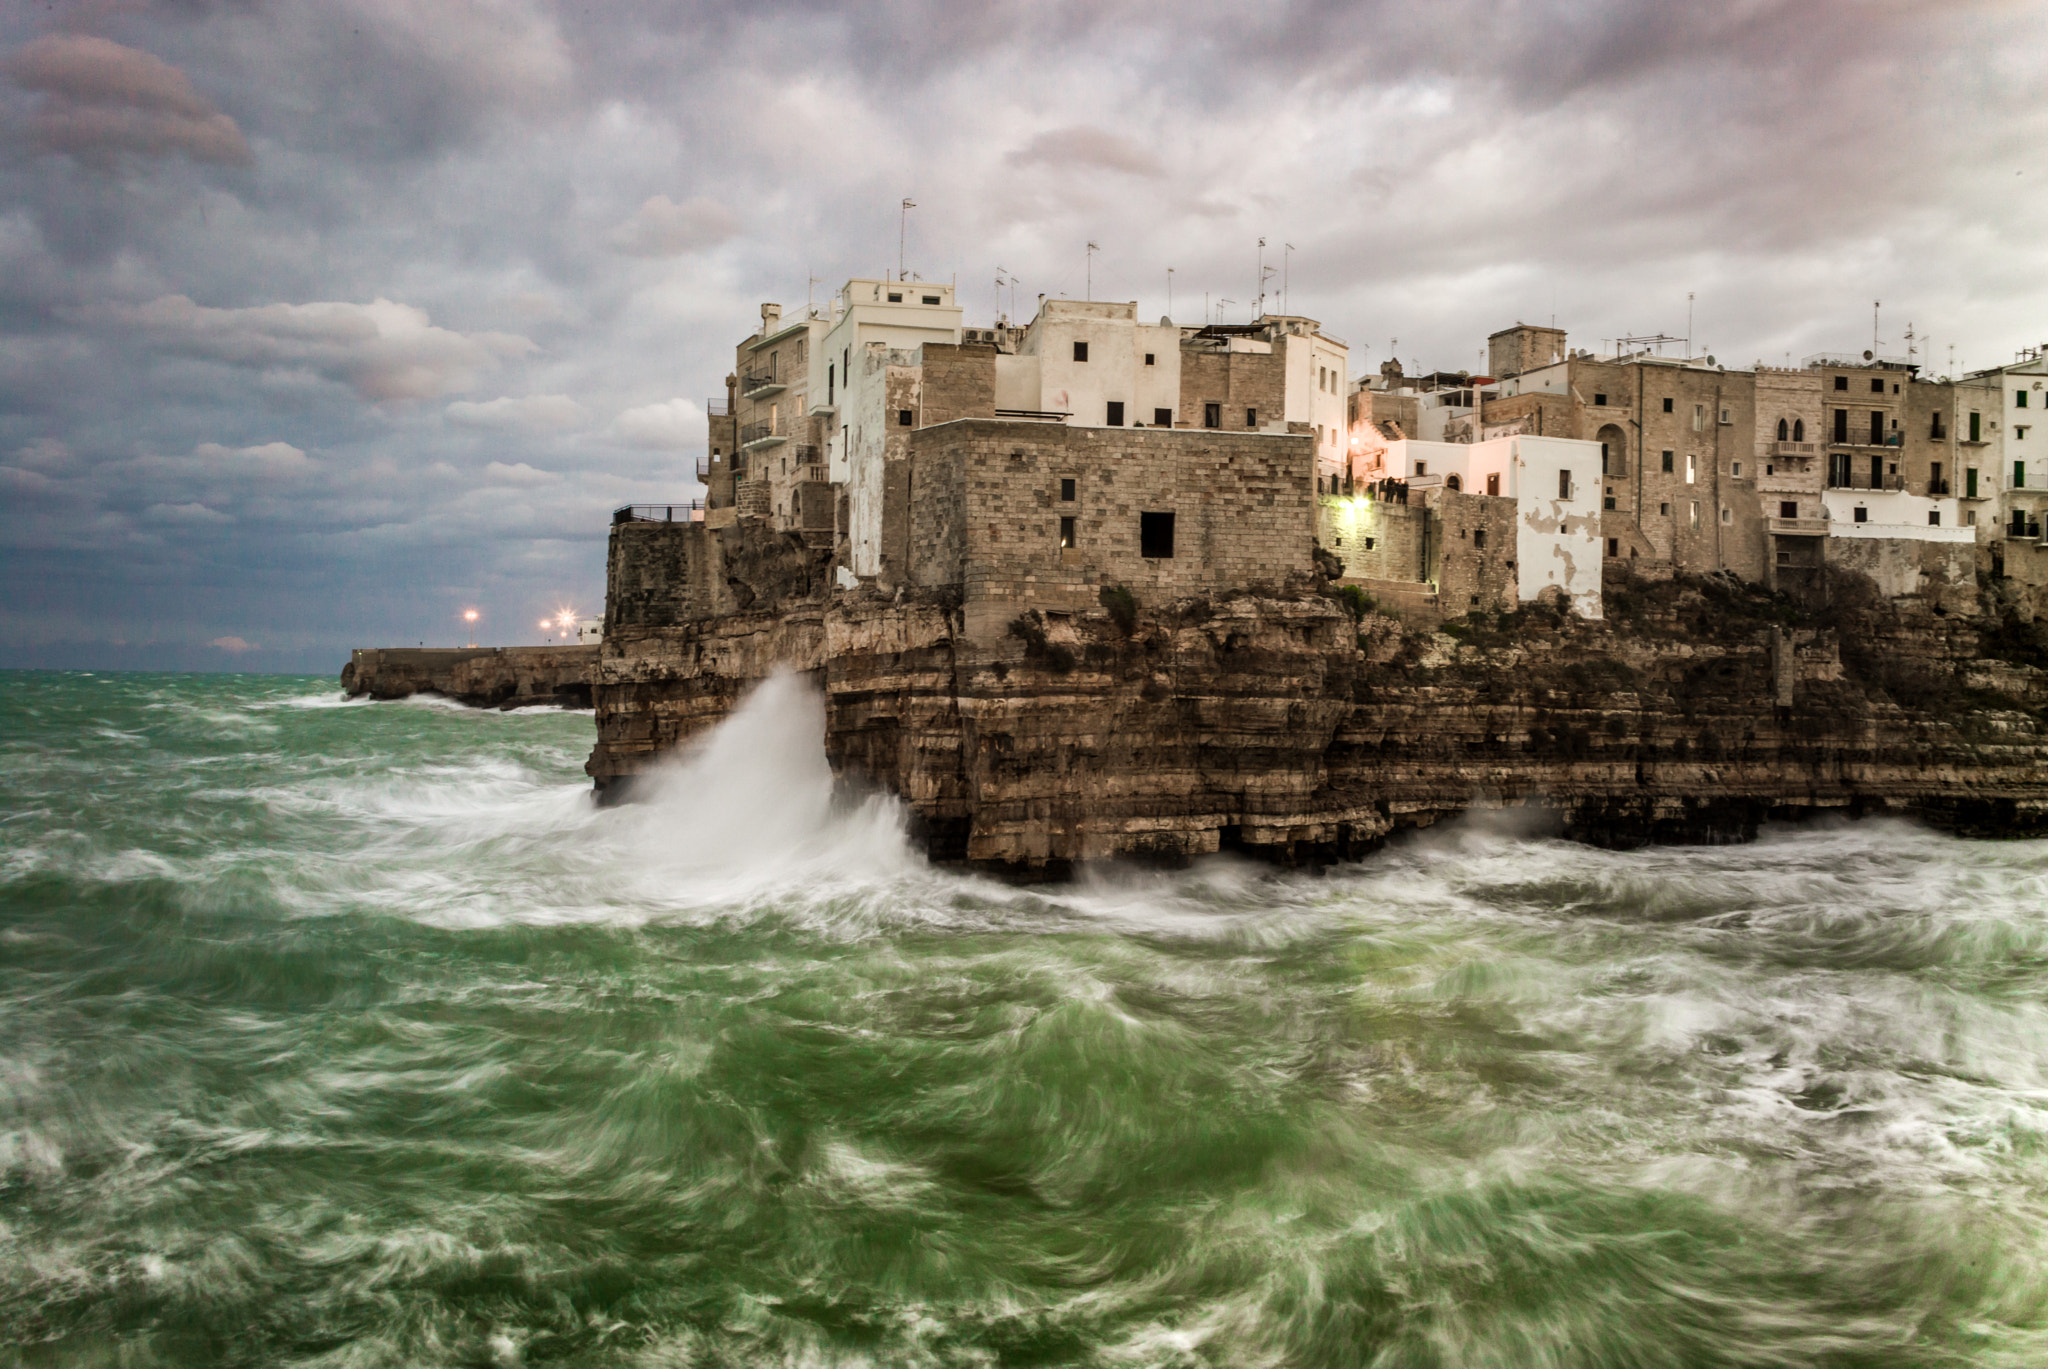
483 677
1279 723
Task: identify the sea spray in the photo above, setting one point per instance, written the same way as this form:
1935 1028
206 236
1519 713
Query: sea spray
364 1037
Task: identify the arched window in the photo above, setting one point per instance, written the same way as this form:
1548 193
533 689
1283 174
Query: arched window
1784 430
1798 430
1451 482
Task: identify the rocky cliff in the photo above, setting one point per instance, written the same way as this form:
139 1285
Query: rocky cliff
1300 723
485 677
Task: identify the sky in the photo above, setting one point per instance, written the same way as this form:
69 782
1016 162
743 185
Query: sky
322 321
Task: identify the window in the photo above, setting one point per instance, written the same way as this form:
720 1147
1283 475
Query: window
1669 458
1694 514
1067 533
1727 514
1148 358
903 418
1784 430
1970 518
1614 546
1862 514
1422 468
1155 536
1788 508
1798 430
1067 490
1691 468
1162 418
1975 434
2019 399
1664 510
1699 417
1667 406
1116 413
2019 474
1251 418
1934 429
1934 518
1493 483
1727 414
1479 539
1736 470
1080 351
1934 485
1600 400
895 297
1841 425
1877 385
1838 469
1876 428
1970 483
1841 382
1608 502
931 299
1368 543
1564 484
1451 482
1212 415
831 372
1603 458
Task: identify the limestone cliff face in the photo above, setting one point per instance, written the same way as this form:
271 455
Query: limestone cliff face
485 677
1274 722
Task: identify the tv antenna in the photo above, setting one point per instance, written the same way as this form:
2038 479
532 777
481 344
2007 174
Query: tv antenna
1169 292
1090 255
1219 309
903 232
1286 261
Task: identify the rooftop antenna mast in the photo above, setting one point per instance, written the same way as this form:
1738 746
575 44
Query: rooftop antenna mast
1090 254
903 233
1169 292
1219 309
1875 344
1688 325
1286 262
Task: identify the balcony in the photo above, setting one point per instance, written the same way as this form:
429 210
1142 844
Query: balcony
1937 488
812 472
1798 527
1863 442
717 408
760 384
2017 531
1861 480
1786 450
692 512
760 435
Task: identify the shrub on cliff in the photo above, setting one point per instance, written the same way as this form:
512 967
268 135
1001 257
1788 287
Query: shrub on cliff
1122 606
1356 601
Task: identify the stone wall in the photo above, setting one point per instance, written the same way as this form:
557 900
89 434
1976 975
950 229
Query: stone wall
1234 381
659 573
959 382
1474 549
1375 539
986 512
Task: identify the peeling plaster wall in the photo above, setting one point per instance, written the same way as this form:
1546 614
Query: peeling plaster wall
1557 540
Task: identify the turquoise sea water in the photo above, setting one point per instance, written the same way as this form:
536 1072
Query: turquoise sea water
351 1034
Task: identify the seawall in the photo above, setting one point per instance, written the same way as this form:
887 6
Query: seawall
486 677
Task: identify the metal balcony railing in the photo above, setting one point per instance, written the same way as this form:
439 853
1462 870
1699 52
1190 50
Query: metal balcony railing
1861 480
753 382
2021 528
1799 527
1937 487
717 408
1795 449
759 432
692 512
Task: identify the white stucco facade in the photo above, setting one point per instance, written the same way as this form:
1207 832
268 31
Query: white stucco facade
1893 513
1128 363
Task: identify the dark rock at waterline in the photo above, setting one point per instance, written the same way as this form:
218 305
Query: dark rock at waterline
483 677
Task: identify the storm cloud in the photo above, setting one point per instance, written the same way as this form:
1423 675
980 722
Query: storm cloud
323 320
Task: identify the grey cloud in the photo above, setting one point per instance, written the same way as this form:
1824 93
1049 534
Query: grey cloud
536 413
100 99
384 350
663 228
1081 146
672 425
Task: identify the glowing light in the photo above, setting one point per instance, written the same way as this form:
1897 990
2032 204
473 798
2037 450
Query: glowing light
469 615
565 618
546 623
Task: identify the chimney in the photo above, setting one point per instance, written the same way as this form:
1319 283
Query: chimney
771 314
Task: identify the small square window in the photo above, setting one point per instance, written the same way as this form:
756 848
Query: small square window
1877 385
931 299
1066 533
1600 399
1862 514
1080 351
1664 510
895 297
1116 413
1727 515
1738 470
2019 399
1788 508
1841 382
1669 459
1148 358
1067 490
1934 518
1369 543
1479 539
1667 406
904 418
1212 415
1162 418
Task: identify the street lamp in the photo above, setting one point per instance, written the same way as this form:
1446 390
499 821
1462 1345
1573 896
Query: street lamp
469 616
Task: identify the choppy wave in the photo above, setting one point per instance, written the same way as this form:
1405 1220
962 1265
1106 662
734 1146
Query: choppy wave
357 1034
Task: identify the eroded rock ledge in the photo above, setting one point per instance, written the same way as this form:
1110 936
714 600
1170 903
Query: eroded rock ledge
1290 722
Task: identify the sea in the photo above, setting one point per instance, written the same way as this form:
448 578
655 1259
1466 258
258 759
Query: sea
354 1034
